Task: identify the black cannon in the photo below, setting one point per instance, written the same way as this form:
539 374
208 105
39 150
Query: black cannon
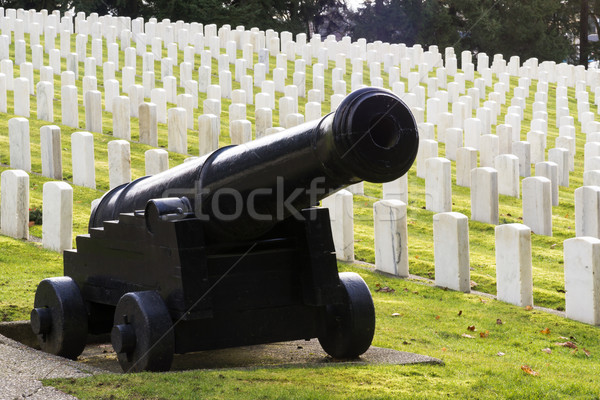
229 249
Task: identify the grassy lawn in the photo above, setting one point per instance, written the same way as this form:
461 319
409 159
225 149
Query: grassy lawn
416 318
430 320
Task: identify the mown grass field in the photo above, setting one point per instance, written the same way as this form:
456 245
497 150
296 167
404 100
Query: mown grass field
428 320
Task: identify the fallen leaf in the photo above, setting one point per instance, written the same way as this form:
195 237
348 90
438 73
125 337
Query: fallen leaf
499 321
500 354
545 331
553 246
586 352
570 345
473 284
482 300
444 349
459 313
467 336
527 369
471 328
395 314
528 308
562 337
547 350
385 289
484 334
405 342
417 257
437 317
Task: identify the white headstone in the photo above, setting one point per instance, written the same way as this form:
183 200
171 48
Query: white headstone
45 104
177 130
466 160
427 149
549 170
21 97
587 211
451 251
438 185
523 151
156 161
51 152
537 205
391 237
208 131
241 131
82 153
121 117
582 268
19 143
93 111
484 195
14 204
119 163
396 189
57 219
341 212
514 277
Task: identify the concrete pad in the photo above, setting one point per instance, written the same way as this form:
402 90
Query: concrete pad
100 357
297 353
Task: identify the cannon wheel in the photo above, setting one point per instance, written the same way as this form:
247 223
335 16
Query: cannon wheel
349 328
142 334
59 318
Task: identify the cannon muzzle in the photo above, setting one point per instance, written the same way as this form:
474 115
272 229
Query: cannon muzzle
243 191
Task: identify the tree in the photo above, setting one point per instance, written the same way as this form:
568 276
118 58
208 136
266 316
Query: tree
533 28
405 21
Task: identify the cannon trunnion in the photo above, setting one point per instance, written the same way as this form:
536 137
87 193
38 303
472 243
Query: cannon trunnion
163 274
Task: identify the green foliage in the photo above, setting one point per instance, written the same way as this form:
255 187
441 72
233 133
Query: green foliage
35 215
405 21
536 28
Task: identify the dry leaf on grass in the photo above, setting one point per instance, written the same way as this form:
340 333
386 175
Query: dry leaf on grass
471 328
547 350
586 352
395 314
465 335
499 321
570 345
545 331
527 369
528 308
484 334
500 354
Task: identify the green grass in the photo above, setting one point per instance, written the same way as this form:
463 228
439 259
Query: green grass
430 321
472 367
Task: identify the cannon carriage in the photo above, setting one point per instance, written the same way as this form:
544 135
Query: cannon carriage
230 249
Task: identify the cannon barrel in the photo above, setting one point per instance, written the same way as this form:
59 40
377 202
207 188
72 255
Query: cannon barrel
243 191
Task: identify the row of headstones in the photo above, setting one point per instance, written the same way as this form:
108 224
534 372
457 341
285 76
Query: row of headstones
57 210
21 21
514 276
190 118
82 153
